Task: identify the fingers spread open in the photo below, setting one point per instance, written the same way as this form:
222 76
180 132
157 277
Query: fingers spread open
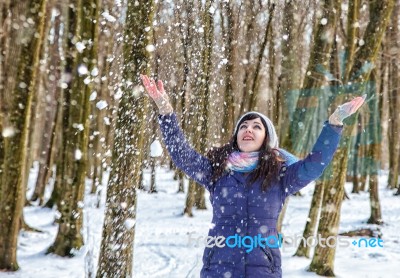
155 90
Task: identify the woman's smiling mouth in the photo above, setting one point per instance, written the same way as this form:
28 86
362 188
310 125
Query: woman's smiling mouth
248 138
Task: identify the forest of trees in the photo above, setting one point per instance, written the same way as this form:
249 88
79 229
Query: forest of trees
71 99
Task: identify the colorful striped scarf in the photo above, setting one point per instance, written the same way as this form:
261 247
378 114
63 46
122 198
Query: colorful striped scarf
243 162
247 162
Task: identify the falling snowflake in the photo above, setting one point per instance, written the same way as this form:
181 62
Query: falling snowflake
82 70
150 48
108 17
8 132
129 223
101 104
93 96
80 46
78 154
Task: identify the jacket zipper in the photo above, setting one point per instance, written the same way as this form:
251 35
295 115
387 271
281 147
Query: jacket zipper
210 254
268 254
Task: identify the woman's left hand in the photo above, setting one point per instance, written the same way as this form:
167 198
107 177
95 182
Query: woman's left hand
345 110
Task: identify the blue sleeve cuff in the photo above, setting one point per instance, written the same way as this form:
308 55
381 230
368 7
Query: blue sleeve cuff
336 128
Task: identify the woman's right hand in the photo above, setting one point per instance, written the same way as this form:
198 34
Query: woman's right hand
158 94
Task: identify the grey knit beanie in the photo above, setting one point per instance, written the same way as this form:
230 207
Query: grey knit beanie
273 137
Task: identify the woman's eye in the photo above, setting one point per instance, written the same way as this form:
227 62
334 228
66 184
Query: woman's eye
243 126
258 127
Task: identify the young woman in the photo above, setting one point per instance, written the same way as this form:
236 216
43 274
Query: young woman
248 180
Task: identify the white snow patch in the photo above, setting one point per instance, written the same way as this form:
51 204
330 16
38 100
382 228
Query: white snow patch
162 234
156 149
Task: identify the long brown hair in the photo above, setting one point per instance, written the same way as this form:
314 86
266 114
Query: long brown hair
269 162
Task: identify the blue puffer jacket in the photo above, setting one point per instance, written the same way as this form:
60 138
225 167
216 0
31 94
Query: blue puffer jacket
243 209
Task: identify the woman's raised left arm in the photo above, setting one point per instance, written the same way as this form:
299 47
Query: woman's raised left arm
299 174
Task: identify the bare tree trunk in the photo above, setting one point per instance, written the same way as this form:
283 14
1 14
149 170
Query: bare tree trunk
202 99
374 152
190 199
153 160
256 78
311 85
272 105
56 155
99 132
186 37
289 81
322 262
98 149
376 212
363 153
116 252
181 187
200 201
357 153
108 52
394 100
323 259
231 34
303 250
153 123
53 93
82 24
303 125
250 25
18 91
352 35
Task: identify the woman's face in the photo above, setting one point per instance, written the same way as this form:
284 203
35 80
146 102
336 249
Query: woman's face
251 135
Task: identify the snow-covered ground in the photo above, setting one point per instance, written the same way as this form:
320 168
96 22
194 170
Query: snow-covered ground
162 247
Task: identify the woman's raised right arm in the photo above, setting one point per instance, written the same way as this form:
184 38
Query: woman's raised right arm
184 156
